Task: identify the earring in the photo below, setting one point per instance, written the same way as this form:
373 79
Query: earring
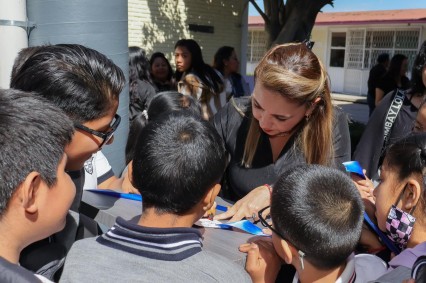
307 118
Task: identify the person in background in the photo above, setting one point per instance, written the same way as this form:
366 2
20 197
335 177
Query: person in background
226 62
141 89
288 120
376 73
161 73
197 79
394 78
372 143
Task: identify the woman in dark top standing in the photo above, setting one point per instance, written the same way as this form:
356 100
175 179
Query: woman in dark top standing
394 78
288 120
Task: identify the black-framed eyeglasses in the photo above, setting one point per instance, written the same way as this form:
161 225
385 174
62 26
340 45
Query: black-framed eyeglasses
105 136
266 224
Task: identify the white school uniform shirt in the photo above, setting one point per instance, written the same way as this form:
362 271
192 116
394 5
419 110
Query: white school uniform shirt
96 170
359 269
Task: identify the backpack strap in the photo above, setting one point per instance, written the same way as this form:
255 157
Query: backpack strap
393 111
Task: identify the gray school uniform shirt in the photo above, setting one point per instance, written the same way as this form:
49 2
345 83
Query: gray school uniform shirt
132 253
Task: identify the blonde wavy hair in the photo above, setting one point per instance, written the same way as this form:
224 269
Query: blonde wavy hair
295 72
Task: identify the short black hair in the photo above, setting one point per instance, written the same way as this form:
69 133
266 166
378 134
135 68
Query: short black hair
320 211
163 102
81 81
33 136
22 57
177 158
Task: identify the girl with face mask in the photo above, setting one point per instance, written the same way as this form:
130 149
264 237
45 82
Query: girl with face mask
400 200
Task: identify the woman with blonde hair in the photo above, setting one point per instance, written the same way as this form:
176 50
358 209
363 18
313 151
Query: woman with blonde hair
288 120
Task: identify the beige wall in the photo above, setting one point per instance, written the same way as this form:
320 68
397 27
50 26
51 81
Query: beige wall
157 25
320 37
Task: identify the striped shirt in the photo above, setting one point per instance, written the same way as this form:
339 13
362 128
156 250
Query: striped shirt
170 244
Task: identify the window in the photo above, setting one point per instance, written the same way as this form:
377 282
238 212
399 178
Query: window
256 45
392 42
337 50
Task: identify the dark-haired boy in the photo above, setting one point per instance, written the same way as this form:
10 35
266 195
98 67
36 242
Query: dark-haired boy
36 193
177 167
86 85
317 216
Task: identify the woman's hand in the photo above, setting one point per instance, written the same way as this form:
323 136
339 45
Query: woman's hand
248 206
263 263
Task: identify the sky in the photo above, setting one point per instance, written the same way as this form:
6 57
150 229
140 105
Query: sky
361 5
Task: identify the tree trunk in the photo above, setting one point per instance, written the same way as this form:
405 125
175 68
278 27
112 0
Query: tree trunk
300 18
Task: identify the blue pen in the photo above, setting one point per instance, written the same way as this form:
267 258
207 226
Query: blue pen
221 208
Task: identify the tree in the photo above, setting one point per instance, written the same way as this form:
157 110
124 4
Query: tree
291 20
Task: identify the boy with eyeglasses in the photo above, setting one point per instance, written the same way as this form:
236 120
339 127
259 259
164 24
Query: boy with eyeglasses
317 216
86 85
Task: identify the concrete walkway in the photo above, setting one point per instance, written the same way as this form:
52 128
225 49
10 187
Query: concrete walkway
355 106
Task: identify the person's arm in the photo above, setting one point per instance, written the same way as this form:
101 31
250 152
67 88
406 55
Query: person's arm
379 95
341 139
106 178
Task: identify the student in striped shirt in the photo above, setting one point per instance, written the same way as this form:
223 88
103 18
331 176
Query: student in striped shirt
178 164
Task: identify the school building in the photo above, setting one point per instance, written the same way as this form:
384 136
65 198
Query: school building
158 25
348 43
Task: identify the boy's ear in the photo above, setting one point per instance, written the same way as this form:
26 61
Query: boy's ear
210 196
412 194
27 192
285 250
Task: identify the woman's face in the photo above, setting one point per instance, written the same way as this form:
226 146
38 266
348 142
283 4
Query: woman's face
232 64
183 59
160 69
386 194
275 113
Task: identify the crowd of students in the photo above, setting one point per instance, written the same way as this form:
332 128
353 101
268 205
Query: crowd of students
277 153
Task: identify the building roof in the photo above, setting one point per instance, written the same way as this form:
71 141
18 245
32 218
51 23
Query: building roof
361 17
